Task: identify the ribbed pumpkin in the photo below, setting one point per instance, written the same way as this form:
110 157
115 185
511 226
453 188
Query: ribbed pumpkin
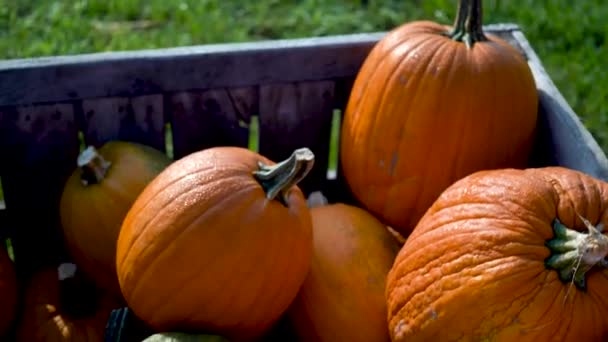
219 243
430 105
60 306
8 291
342 298
96 199
506 255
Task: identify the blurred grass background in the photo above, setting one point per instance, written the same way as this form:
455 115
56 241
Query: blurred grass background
569 36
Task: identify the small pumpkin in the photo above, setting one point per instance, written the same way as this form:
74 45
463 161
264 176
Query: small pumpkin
183 337
96 198
342 298
430 105
506 255
220 242
8 291
62 305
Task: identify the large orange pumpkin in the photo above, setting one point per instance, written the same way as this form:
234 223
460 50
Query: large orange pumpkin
96 199
62 306
430 105
506 255
342 298
220 242
8 291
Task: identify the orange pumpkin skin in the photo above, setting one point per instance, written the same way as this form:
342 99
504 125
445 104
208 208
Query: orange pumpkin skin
342 298
92 214
8 292
44 320
203 249
474 268
425 111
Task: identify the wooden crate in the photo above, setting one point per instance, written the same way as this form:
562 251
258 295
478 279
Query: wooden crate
208 95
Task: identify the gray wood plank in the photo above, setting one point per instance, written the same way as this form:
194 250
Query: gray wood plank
133 73
39 146
565 138
211 118
295 115
140 119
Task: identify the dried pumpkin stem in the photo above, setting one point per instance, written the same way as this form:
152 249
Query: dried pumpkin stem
468 26
93 166
279 178
574 253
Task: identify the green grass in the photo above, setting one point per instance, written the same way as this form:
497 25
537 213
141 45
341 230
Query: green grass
569 36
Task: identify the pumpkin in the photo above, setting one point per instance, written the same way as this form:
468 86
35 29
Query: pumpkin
219 242
506 255
342 298
96 198
183 337
61 305
8 291
430 105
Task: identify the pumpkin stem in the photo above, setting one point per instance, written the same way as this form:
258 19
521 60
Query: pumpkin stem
279 178
574 253
77 295
93 166
468 26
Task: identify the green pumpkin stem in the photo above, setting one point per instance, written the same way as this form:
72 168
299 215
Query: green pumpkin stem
279 178
574 253
468 26
93 166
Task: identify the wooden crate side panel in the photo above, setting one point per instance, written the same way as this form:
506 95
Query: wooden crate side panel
295 115
138 119
216 117
135 73
39 146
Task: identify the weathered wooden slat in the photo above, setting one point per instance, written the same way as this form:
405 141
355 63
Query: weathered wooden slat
39 146
565 138
211 118
139 119
133 73
295 115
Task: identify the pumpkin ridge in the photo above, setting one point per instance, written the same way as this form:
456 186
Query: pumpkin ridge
438 226
369 73
448 81
172 200
255 303
438 104
541 286
151 199
381 99
179 179
225 287
197 218
550 306
362 102
423 248
437 295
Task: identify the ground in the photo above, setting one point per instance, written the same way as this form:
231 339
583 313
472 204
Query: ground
570 37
